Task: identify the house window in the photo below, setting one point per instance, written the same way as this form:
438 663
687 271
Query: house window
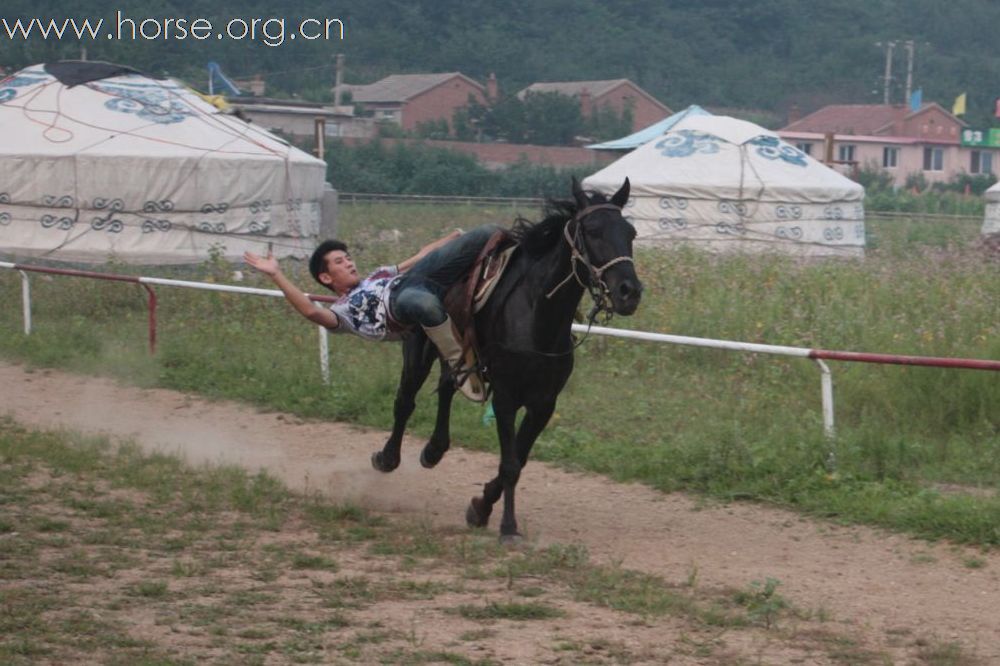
933 159
981 162
806 148
845 153
890 157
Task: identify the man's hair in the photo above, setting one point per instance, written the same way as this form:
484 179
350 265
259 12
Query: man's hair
316 263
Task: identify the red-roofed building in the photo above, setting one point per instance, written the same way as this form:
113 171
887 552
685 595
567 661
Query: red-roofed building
616 94
411 99
893 138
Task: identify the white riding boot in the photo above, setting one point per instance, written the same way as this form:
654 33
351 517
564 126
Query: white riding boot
467 380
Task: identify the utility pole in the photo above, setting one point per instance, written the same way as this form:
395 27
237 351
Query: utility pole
889 46
338 77
909 69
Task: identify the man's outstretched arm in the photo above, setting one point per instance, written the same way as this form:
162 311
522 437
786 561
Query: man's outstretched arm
269 266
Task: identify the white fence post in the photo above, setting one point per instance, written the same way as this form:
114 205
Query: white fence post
26 301
826 381
324 354
826 388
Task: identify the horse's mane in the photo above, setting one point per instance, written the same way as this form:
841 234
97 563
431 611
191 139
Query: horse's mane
537 238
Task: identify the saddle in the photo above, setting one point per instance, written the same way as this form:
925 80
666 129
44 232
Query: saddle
468 296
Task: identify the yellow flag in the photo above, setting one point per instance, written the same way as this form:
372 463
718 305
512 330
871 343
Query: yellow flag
958 108
218 101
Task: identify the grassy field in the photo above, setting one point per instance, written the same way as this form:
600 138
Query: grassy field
917 448
115 557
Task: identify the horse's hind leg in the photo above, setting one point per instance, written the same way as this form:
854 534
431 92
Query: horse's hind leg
440 439
418 357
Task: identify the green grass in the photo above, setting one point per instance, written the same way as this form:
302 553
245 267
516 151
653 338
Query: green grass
519 612
733 426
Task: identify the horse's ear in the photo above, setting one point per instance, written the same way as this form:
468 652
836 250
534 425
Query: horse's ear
621 196
579 195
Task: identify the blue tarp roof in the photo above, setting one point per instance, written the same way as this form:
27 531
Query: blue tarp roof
649 133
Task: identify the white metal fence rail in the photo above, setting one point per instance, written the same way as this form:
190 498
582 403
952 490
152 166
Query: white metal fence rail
816 355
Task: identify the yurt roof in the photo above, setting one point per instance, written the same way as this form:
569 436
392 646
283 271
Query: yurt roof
719 157
993 193
646 134
126 113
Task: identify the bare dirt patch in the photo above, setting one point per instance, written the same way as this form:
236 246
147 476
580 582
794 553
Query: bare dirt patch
897 595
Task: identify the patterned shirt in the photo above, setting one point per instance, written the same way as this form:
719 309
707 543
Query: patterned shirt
364 310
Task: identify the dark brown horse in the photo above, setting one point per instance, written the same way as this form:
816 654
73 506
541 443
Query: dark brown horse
525 338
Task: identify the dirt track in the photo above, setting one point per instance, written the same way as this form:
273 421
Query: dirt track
894 590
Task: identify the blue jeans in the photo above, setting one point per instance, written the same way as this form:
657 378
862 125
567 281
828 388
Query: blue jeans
418 297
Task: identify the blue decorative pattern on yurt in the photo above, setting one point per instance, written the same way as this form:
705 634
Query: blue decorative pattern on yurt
8 92
772 148
684 143
153 103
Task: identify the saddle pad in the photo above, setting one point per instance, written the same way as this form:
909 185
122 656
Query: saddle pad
493 268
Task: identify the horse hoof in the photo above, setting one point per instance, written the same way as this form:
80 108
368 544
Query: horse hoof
475 516
509 540
430 456
381 464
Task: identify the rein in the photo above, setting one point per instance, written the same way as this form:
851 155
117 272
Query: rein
598 288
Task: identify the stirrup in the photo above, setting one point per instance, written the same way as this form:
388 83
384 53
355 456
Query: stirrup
467 379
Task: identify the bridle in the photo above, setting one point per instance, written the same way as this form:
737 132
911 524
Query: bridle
596 285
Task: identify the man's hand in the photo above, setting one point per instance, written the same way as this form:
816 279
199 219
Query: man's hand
300 301
267 265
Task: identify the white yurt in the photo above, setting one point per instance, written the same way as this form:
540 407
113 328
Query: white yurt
724 184
991 221
99 161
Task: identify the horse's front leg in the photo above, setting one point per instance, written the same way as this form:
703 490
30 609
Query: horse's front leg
478 513
418 357
534 422
440 439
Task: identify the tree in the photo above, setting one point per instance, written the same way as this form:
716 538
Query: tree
551 119
605 123
433 129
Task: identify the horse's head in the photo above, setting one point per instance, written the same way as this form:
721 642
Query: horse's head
604 238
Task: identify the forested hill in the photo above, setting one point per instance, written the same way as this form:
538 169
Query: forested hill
761 54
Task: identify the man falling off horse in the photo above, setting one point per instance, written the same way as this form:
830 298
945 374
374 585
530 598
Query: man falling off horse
391 299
